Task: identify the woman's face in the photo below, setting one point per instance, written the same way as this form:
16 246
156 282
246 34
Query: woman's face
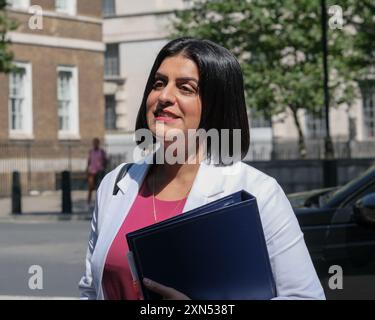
174 101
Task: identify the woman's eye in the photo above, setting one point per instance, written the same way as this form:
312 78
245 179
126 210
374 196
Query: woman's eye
187 89
157 84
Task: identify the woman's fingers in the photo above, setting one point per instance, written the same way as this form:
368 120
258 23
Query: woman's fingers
167 293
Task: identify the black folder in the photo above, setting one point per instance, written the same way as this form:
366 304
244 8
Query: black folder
214 252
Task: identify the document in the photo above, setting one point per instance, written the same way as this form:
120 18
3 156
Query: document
214 252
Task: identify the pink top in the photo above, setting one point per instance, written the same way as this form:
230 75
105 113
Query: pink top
117 279
96 160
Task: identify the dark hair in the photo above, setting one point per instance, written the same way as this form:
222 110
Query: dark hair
221 88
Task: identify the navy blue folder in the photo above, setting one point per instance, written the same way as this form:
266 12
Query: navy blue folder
214 252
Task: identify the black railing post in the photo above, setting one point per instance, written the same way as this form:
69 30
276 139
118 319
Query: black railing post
329 173
66 192
16 193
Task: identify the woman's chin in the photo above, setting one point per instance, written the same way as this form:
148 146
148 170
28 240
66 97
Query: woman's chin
169 134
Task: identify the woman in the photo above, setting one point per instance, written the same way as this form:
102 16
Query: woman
193 84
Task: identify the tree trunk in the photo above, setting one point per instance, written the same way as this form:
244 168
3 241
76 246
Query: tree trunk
301 139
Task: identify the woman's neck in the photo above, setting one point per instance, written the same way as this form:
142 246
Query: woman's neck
172 181
181 173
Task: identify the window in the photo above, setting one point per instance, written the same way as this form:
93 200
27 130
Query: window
20 101
258 120
368 95
315 125
110 112
66 6
67 98
112 66
19 4
188 3
108 8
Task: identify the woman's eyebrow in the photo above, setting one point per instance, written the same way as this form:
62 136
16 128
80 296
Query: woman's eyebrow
164 77
161 76
187 79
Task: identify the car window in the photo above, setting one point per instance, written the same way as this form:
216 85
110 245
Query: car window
351 184
367 190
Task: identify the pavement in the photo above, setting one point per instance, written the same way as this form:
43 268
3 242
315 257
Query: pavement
41 206
48 253
43 236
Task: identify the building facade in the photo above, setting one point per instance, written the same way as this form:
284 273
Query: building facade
53 101
352 127
134 32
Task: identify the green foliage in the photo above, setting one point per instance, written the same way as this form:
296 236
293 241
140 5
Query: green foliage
6 25
278 44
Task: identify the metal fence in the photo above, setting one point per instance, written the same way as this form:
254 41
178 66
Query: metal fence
40 163
302 175
288 149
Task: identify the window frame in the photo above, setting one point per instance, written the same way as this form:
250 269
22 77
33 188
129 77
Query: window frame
26 131
118 67
311 118
70 10
73 131
257 120
366 89
110 103
25 5
112 12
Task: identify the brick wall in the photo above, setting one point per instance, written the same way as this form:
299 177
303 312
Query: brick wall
91 8
44 62
65 28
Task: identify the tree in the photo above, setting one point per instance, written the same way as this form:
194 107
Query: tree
361 17
6 25
278 44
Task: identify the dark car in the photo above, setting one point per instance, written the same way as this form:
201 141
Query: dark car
339 228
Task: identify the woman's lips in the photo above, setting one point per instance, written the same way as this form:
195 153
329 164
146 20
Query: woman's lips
165 117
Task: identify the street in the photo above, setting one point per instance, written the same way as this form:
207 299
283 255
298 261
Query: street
57 246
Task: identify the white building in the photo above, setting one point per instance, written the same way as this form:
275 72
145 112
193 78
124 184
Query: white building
352 128
135 31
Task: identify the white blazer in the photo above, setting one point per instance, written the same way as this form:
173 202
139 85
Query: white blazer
291 264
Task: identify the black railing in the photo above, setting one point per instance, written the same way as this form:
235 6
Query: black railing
40 163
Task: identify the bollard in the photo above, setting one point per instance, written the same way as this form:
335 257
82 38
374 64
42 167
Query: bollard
329 173
66 192
16 193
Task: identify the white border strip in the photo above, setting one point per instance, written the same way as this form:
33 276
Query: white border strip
56 42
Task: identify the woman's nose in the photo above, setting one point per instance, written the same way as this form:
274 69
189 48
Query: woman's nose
167 96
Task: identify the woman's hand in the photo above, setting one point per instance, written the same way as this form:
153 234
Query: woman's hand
167 293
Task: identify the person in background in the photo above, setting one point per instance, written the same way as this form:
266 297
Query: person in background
96 164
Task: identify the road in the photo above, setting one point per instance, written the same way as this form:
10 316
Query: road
57 246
